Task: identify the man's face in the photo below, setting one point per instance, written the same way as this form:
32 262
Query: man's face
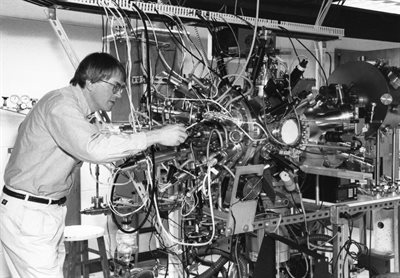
106 92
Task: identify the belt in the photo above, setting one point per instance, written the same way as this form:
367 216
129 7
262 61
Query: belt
33 198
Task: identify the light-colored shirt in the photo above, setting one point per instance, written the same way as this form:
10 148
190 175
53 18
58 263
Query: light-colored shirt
56 137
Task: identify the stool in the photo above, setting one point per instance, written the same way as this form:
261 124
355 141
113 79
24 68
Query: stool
76 244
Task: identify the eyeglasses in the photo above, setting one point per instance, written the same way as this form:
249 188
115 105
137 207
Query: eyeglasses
117 88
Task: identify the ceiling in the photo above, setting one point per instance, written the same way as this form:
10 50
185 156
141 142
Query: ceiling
387 6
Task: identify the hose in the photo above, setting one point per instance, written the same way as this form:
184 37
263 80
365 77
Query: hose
223 270
314 237
225 257
214 269
242 264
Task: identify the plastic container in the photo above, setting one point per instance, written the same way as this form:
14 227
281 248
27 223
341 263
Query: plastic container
127 244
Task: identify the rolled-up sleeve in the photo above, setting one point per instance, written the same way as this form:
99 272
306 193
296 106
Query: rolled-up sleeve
76 136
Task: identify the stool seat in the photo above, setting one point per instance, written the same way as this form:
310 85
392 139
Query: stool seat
82 232
77 261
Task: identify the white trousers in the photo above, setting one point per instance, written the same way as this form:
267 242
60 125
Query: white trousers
31 235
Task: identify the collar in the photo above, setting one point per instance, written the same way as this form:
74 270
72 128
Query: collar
82 101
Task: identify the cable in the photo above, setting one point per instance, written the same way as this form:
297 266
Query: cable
348 244
294 48
252 43
191 53
330 62
152 191
306 270
309 51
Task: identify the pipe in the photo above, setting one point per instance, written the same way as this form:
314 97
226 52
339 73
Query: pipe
394 156
378 157
214 269
225 257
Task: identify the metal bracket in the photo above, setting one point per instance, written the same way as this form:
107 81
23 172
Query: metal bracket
62 36
242 212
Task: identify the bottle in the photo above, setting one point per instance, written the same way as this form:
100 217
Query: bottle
126 243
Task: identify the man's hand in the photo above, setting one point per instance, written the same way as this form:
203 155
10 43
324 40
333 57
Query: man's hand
170 135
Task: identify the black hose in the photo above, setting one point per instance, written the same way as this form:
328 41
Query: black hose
314 237
223 272
213 251
114 217
214 269
145 274
203 262
242 262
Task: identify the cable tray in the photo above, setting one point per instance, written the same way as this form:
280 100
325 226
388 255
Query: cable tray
191 14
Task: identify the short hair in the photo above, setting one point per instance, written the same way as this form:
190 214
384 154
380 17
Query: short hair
97 66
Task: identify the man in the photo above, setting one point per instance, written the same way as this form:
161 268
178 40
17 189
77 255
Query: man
52 141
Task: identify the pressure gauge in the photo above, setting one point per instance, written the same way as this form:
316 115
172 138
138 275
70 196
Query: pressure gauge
25 99
14 99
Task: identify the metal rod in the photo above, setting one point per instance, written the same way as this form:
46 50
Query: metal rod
394 154
317 190
377 157
97 174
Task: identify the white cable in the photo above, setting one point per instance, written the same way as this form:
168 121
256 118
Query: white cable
304 215
307 267
113 208
229 171
233 75
202 100
278 224
325 242
248 135
171 238
129 58
180 36
95 178
191 210
251 47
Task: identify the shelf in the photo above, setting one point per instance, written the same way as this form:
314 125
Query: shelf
329 211
339 173
291 219
21 112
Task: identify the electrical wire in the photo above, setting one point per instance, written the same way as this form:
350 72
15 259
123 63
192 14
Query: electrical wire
306 271
312 54
251 47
